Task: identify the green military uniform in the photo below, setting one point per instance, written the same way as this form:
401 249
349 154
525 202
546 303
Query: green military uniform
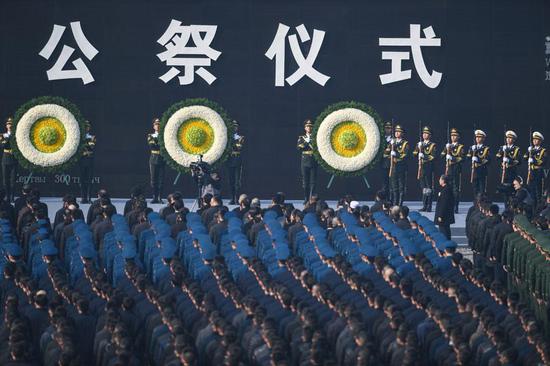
234 164
385 162
156 166
308 164
9 163
479 153
425 151
398 151
86 166
454 157
536 157
509 155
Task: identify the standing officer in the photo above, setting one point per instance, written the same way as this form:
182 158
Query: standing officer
479 153
444 215
87 165
385 162
308 163
536 158
510 155
156 162
397 151
234 164
9 163
454 155
425 152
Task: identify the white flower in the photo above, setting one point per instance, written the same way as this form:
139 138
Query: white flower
23 135
342 163
170 134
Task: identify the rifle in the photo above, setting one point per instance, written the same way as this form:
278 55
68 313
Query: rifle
529 166
473 172
419 147
392 148
504 165
447 162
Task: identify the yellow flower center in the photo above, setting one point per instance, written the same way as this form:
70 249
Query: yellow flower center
48 135
195 136
348 139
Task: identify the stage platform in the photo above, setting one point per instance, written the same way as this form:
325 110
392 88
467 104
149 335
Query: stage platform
457 230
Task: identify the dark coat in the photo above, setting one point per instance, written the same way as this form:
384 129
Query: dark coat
444 209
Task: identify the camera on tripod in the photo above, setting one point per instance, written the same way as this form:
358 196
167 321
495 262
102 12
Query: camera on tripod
200 170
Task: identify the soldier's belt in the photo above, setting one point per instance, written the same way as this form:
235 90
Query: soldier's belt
157 152
235 153
307 152
8 151
88 153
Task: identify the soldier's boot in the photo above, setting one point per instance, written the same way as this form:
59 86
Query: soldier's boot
400 199
456 206
306 195
83 196
429 204
424 203
155 195
159 196
233 197
89 192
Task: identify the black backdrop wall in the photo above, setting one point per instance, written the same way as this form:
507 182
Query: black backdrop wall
492 58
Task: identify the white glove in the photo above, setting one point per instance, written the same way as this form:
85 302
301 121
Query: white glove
475 159
504 148
447 145
448 157
156 134
307 139
394 153
474 147
421 155
236 136
6 135
392 141
419 144
505 160
531 160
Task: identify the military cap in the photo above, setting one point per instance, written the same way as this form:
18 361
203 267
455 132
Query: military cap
13 250
427 129
48 249
9 121
398 128
511 134
129 252
388 125
454 132
86 251
538 135
308 123
156 121
480 133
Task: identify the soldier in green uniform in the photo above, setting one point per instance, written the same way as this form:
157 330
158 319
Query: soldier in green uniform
425 151
536 157
234 164
308 163
454 155
398 151
479 153
9 163
156 163
87 165
510 158
385 163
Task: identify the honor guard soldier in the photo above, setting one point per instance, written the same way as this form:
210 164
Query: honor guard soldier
509 155
425 151
87 165
454 157
9 164
536 157
397 151
308 163
156 162
479 153
385 163
234 164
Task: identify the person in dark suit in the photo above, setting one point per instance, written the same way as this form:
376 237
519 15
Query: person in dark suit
444 209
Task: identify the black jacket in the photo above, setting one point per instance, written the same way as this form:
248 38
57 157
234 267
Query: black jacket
444 209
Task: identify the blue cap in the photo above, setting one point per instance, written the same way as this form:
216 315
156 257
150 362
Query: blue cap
48 249
168 251
86 251
6 229
42 222
129 252
369 250
13 250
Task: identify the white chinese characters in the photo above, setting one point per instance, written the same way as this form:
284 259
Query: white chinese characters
81 71
179 54
305 64
415 42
